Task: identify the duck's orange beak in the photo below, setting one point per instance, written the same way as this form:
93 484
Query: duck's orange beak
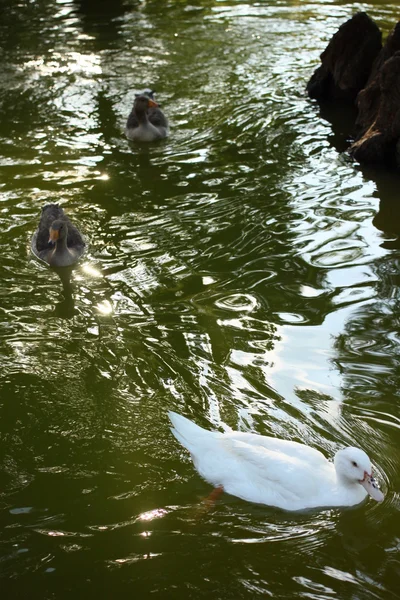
54 235
152 104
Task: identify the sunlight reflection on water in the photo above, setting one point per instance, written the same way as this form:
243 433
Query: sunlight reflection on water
233 273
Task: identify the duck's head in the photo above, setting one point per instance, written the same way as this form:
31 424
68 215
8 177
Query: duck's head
354 466
147 92
142 103
57 231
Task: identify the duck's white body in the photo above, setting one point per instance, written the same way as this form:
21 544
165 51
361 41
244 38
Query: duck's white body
276 472
146 132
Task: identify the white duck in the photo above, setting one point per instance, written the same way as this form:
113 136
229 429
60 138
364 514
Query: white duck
276 472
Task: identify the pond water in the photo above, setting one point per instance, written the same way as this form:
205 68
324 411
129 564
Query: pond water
244 272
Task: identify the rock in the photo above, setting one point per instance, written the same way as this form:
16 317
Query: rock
392 45
379 113
347 60
377 124
368 99
354 58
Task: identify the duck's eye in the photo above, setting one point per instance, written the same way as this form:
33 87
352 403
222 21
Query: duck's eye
353 462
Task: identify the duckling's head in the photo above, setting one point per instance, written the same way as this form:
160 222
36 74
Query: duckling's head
353 466
57 231
142 103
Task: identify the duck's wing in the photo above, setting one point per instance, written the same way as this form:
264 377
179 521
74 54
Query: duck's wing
43 253
75 238
271 477
50 213
284 447
132 122
40 240
157 117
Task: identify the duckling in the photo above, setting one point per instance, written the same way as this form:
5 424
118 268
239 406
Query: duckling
146 122
57 241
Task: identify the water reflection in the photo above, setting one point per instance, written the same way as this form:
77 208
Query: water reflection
101 21
65 308
342 118
235 275
387 218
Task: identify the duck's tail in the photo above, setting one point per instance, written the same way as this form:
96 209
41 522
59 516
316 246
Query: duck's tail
186 432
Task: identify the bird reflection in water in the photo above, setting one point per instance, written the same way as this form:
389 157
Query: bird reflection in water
65 308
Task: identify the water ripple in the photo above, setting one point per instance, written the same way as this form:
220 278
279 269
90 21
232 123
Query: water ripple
234 273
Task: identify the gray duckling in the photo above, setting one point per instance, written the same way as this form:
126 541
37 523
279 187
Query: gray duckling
146 122
57 241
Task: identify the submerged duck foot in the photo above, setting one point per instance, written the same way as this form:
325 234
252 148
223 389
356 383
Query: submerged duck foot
210 501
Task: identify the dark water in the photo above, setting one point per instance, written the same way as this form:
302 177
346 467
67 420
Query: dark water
243 272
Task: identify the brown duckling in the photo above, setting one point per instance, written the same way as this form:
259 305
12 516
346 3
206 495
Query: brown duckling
57 241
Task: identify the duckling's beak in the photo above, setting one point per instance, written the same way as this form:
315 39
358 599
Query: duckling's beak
370 484
152 104
54 235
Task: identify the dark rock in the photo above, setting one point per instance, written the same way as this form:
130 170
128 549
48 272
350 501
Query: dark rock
347 60
368 100
380 116
392 45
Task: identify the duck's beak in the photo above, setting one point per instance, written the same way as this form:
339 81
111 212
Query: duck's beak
54 235
370 484
152 104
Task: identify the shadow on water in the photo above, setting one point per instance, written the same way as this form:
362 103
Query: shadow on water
100 19
65 309
387 218
342 119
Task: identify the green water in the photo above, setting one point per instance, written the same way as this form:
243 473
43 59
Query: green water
243 273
